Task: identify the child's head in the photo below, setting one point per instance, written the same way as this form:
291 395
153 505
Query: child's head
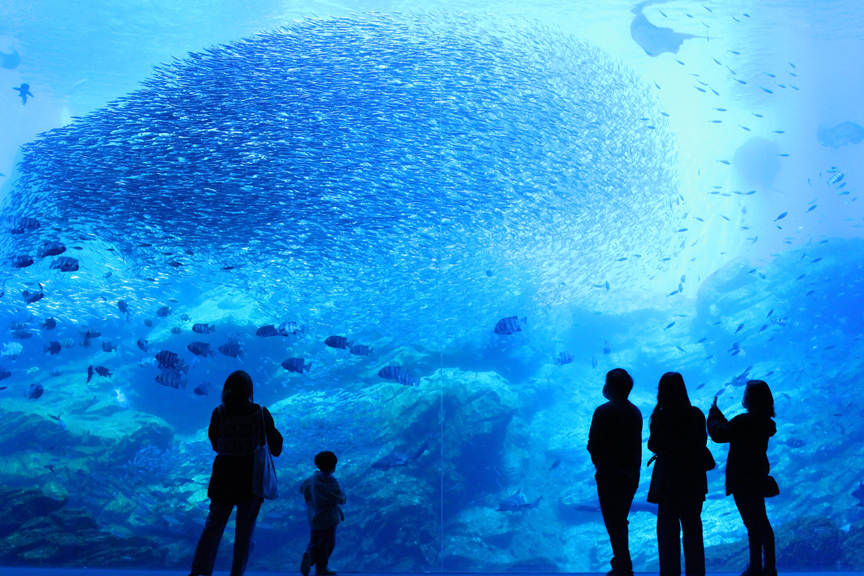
326 461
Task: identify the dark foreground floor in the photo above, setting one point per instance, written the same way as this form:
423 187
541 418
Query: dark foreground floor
109 572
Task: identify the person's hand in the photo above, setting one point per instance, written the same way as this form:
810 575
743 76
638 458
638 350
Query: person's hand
714 404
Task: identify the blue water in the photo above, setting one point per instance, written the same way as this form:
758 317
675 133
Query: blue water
663 186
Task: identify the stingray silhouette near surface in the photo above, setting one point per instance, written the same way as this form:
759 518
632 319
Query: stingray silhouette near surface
9 61
653 39
840 135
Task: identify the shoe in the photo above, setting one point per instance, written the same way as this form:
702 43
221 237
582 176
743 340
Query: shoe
306 564
325 572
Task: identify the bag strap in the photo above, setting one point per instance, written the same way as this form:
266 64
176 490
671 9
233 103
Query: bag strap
264 427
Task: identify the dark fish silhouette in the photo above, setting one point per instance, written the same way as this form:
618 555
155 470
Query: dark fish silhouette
200 349
397 459
296 365
22 261
35 391
564 358
143 345
232 349
24 92
204 328
511 325
171 378
653 39
51 249
517 503
391 372
65 264
102 371
53 347
202 389
840 135
49 324
163 311
361 350
337 342
108 346
266 331
31 297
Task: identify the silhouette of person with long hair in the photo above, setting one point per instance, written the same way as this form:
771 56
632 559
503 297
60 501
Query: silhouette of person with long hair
678 483
615 444
237 428
747 469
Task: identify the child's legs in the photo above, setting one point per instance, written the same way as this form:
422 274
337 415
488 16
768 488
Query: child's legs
321 544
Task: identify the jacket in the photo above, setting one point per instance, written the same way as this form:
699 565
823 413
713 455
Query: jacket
615 442
747 434
680 445
234 435
323 496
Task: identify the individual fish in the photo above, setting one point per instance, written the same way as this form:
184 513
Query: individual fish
267 331
4 374
67 342
232 349
171 378
184 317
124 308
143 345
204 328
391 372
781 216
564 358
517 503
21 334
148 323
53 347
35 391
511 325
670 325
607 348
200 349
49 324
296 365
108 346
31 297
51 249
337 342
202 389
407 379
176 330
89 373
289 328
163 312
740 326
102 371
12 350
398 459
361 350
65 264
22 261
838 177
167 359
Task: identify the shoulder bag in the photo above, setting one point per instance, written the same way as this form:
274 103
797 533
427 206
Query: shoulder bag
264 483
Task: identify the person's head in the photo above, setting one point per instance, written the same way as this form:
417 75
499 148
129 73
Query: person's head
618 384
758 398
326 461
237 389
672 393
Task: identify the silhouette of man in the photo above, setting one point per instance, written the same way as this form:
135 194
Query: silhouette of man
615 444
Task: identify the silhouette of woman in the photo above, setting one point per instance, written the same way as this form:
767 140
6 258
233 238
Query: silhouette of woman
678 484
237 427
747 469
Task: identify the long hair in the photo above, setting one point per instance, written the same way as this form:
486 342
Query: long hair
237 389
758 398
672 396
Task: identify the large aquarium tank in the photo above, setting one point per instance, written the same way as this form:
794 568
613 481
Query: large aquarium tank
427 231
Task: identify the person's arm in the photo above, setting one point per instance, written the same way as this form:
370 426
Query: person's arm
656 437
329 494
595 433
213 431
720 429
274 438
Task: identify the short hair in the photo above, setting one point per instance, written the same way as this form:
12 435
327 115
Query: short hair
618 384
758 397
326 461
237 389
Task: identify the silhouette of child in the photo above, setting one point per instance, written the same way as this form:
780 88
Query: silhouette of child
323 496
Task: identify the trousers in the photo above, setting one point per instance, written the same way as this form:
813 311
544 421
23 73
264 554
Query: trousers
673 517
214 526
321 545
760 534
615 500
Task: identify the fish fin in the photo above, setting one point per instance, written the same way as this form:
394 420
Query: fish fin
308 367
